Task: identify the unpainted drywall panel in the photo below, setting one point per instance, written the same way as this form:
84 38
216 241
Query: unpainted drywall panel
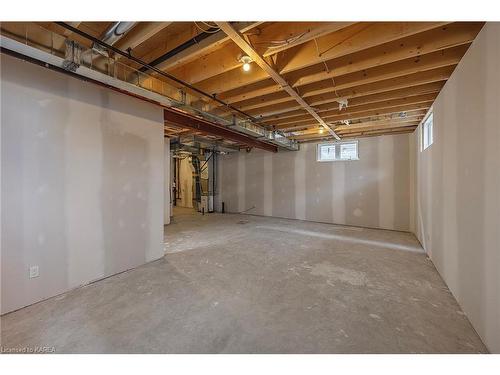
371 192
82 182
457 185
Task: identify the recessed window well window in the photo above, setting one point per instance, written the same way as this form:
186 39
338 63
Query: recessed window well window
427 129
338 151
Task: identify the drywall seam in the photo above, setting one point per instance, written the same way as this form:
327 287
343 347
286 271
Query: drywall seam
296 186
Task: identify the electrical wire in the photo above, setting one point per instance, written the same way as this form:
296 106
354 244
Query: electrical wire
209 25
206 31
281 43
326 66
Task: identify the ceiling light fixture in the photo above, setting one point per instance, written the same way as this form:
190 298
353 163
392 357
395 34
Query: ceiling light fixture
342 103
246 60
321 130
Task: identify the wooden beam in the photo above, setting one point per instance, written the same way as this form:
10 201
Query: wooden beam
362 108
451 35
74 24
375 100
422 63
409 115
436 75
298 33
324 101
436 60
223 60
371 133
345 41
263 64
140 33
23 28
184 120
352 39
207 45
388 127
382 124
345 129
375 133
209 65
359 115
443 38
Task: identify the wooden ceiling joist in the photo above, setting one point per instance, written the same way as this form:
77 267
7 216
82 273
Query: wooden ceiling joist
396 130
360 108
356 107
220 61
358 115
363 124
140 33
389 72
330 100
292 34
419 78
263 64
178 64
358 37
343 42
443 37
390 117
435 60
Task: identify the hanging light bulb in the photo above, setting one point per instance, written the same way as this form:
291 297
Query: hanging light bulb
246 60
321 130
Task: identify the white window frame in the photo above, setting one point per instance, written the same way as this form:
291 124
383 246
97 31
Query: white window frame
427 124
337 150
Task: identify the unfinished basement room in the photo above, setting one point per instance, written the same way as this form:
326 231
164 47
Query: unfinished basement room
252 187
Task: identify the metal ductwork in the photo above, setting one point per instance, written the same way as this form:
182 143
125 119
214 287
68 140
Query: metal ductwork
113 34
241 132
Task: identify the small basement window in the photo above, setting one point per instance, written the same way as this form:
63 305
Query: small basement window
338 151
427 130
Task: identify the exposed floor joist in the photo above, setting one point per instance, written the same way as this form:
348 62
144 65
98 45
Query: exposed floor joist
140 33
378 67
263 64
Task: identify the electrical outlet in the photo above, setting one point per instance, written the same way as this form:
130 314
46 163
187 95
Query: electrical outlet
34 272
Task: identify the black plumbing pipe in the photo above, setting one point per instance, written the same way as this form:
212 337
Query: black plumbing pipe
191 42
175 182
146 65
206 161
214 160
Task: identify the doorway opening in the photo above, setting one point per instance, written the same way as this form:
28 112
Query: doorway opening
193 180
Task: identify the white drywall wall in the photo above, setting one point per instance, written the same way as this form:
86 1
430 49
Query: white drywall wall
372 192
456 207
82 182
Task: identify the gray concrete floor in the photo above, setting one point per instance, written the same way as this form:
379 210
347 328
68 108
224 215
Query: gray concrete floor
248 284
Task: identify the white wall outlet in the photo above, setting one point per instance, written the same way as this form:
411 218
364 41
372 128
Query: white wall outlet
34 272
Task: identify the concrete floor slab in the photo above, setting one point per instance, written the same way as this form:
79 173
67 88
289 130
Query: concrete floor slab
249 284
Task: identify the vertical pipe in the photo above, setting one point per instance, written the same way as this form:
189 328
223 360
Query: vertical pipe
175 182
214 155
